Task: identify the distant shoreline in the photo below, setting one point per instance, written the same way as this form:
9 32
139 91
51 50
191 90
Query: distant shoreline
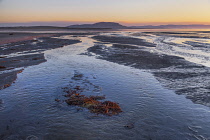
49 28
105 26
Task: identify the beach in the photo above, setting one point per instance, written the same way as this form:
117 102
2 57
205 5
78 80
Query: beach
159 79
19 50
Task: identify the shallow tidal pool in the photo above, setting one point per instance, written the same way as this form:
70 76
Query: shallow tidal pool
29 109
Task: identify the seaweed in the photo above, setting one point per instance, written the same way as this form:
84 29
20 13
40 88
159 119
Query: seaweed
95 104
91 102
2 67
107 108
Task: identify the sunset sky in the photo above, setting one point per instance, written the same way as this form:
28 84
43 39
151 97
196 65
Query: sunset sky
128 12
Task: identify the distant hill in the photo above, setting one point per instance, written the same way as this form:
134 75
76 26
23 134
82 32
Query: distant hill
108 25
114 25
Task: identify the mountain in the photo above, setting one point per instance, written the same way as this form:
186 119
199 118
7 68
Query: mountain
99 25
114 25
107 25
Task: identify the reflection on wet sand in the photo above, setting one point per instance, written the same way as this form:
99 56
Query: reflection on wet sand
142 79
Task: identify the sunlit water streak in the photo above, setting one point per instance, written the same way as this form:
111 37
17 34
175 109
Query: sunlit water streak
176 46
199 56
157 113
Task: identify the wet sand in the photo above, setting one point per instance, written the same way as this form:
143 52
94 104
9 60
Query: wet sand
188 34
123 40
16 37
176 73
150 110
19 50
135 57
26 49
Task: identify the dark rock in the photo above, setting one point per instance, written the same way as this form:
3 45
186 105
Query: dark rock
129 126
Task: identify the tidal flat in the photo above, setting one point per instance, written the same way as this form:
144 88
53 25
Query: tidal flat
160 80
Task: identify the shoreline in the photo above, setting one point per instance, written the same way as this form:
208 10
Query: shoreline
16 53
143 82
126 51
7 38
173 72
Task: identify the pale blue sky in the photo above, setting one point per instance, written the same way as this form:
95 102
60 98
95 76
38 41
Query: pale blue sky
128 11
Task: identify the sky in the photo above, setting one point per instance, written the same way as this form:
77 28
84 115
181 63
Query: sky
127 12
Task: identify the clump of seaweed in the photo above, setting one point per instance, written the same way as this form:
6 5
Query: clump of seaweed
94 104
91 102
6 86
2 67
106 108
77 76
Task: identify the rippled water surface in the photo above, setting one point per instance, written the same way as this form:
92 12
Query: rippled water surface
156 113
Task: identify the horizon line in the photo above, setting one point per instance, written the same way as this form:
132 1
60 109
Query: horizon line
69 23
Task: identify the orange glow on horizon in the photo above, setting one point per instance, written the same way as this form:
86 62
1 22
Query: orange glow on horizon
133 12
128 21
